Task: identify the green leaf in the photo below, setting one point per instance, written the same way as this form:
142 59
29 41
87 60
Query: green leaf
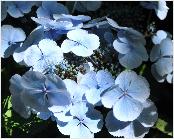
162 126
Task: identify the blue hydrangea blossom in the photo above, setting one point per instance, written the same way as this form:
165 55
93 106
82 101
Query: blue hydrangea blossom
162 56
44 56
76 96
96 82
127 98
130 45
84 122
160 8
137 128
11 39
37 91
80 42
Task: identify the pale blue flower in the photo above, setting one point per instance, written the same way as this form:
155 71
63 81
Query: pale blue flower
84 122
160 8
130 45
80 42
137 128
37 91
162 56
126 98
11 39
96 82
42 57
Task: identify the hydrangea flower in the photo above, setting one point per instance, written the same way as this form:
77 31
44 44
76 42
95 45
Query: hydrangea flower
11 39
80 42
48 8
43 57
96 83
83 122
37 91
160 8
137 128
131 90
75 90
162 56
76 96
18 8
130 45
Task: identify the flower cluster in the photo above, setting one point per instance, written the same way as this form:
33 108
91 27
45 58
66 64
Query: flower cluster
72 104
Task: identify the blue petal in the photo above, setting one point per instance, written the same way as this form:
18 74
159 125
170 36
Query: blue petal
67 127
17 103
149 115
93 95
127 109
113 125
169 78
120 47
166 47
13 11
162 10
81 131
94 120
89 79
104 78
164 66
125 78
79 109
130 60
159 36
34 37
155 53
139 89
156 74
41 12
110 97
